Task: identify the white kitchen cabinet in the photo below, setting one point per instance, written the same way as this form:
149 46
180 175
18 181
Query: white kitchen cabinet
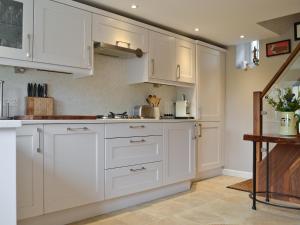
16 29
133 179
185 61
132 151
29 171
116 32
211 82
162 57
179 152
210 148
62 35
74 165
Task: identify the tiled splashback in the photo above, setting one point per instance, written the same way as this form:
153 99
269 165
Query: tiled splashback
106 91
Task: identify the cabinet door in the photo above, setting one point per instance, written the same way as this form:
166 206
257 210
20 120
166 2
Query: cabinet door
119 33
185 61
162 57
62 35
210 146
74 165
211 80
29 171
16 29
179 150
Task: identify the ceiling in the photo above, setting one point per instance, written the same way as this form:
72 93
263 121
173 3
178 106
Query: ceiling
281 25
219 21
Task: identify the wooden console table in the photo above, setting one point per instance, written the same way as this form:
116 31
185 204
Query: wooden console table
283 140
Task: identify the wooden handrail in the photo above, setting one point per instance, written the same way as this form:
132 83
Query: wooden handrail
281 69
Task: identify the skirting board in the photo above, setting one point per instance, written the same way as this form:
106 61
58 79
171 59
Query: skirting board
209 174
88 211
237 173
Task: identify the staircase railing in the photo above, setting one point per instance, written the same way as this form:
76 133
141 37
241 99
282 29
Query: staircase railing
258 99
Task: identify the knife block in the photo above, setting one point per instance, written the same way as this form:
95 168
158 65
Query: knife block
39 106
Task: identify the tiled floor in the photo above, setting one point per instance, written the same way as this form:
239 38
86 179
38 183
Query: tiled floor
209 202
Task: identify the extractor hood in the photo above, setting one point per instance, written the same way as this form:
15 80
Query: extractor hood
116 51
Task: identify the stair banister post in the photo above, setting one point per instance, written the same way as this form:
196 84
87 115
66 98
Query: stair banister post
257 121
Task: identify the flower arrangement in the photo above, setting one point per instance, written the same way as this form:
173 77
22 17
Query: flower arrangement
286 101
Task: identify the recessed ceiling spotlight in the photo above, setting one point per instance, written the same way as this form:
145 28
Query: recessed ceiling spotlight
197 29
242 36
133 6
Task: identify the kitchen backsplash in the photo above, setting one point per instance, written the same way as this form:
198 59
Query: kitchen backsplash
108 90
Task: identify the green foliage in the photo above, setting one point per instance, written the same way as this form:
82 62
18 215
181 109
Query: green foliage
286 101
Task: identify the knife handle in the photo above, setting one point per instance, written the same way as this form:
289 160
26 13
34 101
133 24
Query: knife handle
45 90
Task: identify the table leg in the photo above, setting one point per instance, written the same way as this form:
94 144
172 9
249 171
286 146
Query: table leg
267 174
254 177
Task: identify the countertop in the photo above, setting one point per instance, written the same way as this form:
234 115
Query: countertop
10 124
104 121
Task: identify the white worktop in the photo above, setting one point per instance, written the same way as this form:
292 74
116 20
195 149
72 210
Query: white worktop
10 124
104 121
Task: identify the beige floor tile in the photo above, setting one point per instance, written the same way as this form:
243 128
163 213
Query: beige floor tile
209 202
138 218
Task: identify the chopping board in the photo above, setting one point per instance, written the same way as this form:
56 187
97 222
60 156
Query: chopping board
55 117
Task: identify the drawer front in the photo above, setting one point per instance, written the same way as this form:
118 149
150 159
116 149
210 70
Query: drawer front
132 179
133 130
132 151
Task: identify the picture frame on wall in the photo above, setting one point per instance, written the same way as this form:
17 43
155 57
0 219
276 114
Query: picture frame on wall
278 48
297 31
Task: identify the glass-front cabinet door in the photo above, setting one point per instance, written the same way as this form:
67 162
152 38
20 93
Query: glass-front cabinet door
16 29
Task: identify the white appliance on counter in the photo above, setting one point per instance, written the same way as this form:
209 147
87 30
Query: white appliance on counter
182 109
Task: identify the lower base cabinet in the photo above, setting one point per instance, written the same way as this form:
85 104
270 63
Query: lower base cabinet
74 165
62 166
210 149
29 171
179 154
132 179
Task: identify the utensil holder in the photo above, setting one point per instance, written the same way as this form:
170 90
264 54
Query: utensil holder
156 113
39 106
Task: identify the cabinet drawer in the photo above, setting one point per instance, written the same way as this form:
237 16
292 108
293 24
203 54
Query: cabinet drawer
133 130
132 151
132 179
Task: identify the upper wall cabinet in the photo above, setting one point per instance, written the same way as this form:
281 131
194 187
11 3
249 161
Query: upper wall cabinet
16 29
211 82
62 35
185 61
162 56
170 61
115 32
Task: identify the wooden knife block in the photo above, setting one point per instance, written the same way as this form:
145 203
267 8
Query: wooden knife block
39 106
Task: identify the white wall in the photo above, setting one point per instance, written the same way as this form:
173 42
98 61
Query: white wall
106 91
240 86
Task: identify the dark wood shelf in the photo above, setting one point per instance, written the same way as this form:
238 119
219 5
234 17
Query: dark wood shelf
56 117
273 138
